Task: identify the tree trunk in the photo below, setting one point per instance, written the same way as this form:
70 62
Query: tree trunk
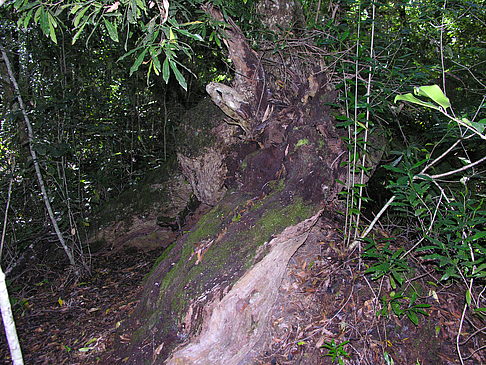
214 289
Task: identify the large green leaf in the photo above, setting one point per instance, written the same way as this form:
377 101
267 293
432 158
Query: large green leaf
435 93
79 16
412 99
52 26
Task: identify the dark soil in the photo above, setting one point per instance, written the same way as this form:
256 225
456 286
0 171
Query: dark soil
74 323
324 298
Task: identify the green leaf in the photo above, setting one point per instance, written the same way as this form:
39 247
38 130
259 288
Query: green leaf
52 25
18 4
44 22
111 30
186 33
479 126
412 316
166 70
128 53
180 78
394 169
477 236
156 64
412 99
85 349
79 16
94 339
138 61
27 18
435 93
468 297
80 30
37 14
75 8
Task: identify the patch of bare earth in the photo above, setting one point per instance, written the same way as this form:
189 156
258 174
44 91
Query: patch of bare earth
61 322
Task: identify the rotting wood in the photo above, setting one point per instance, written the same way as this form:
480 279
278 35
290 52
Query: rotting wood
234 331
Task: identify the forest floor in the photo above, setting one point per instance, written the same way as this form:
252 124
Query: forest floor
325 300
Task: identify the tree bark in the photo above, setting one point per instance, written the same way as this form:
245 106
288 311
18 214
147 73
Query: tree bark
281 169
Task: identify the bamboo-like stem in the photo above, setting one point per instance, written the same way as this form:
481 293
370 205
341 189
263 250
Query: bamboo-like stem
367 123
352 134
5 307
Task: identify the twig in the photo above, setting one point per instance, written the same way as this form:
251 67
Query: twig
458 170
367 124
458 337
377 217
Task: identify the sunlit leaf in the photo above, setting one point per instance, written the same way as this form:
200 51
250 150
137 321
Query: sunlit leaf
75 8
78 33
412 99
79 16
94 339
184 32
435 93
52 30
27 18
85 349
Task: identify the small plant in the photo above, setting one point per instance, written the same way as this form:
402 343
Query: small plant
401 305
336 351
388 263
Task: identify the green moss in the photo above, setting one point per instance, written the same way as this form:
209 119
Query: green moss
225 260
274 220
276 186
161 258
208 226
302 142
236 218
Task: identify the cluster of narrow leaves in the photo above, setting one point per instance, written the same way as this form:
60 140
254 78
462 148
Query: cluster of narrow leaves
161 37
